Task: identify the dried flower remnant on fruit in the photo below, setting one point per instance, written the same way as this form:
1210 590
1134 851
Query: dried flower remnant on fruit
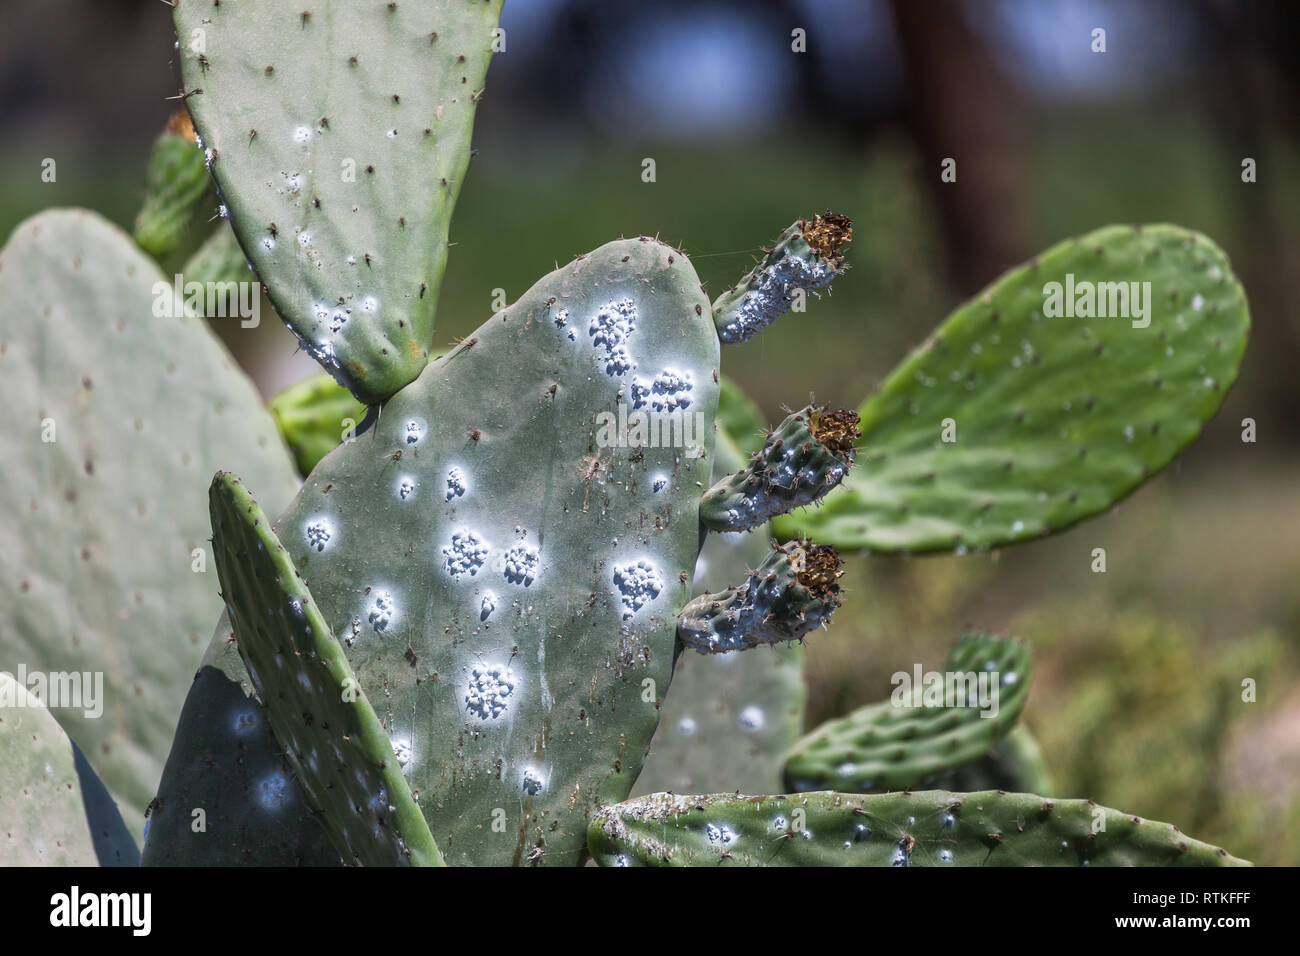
827 234
837 430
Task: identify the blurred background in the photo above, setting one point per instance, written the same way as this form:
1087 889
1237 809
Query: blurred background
1137 695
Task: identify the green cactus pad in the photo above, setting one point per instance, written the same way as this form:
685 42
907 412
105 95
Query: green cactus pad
1054 419
903 745
174 216
805 457
341 756
118 417
729 719
505 581
54 811
313 416
226 763
792 592
339 138
806 257
929 828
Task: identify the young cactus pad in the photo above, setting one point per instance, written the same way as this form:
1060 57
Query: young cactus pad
505 580
340 754
54 811
908 740
314 416
106 568
339 139
1011 423
929 828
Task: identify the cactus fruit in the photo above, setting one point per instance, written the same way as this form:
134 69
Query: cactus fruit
730 718
178 193
339 142
106 568
909 740
927 828
314 416
54 811
804 458
1009 423
806 257
793 591
341 756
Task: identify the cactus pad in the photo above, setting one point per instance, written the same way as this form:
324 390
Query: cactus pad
729 719
1054 418
107 567
900 746
506 581
929 828
341 756
54 811
313 416
339 138
226 762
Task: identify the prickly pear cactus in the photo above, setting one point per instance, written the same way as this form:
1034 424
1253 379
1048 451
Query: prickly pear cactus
505 577
909 740
314 416
107 568
1009 424
54 811
928 828
730 718
340 754
339 139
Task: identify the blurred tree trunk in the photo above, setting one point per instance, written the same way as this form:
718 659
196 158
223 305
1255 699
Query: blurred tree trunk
961 106
1253 97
